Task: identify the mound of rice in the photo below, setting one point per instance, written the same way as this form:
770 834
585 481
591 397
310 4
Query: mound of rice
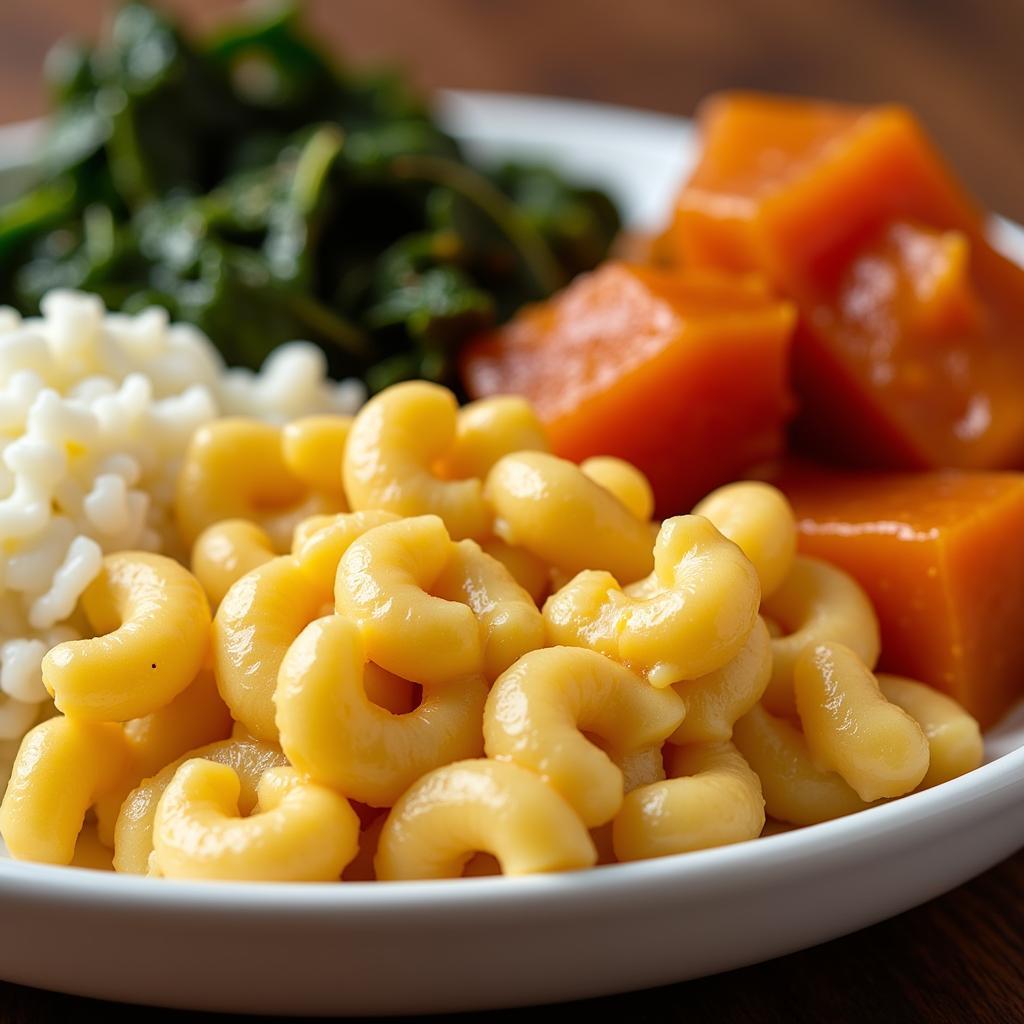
96 410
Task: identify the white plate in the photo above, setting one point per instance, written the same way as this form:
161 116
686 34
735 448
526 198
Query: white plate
483 943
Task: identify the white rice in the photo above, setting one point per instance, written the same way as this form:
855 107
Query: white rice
96 410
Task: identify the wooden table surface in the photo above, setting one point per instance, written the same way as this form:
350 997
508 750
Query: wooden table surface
959 65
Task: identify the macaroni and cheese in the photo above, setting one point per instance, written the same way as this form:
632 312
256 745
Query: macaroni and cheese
415 644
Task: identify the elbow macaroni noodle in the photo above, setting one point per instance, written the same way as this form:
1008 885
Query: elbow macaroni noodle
692 618
298 831
486 431
710 798
333 732
225 552
955 746
816 603
258 620
759 520
851 728
153 622
538 711
510 623
64 766
481 806
195 717
312 449
495 647
530 572
553 509
250 760
396 441
240 469
714 702
623 480
383 586
796 790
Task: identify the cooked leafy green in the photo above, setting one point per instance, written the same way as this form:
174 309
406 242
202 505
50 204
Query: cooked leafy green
259 191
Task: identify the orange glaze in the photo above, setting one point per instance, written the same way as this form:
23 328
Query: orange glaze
683 374
785 186
913 358
908 352
942 557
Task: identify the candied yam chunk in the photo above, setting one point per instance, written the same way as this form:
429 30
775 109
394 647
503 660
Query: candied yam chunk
683 373
789 186
914 358
942 557
909 353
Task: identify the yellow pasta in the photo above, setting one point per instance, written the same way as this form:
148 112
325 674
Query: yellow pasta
153 621
816 603
225 552
298 832
955 746
236 469
538 711
360 868
379 638
638 769
91 852
267 609
321 541
697 618
481 806
195 717
530 572
264 611
852 729
133 833
395 442
714 702
383 585
758 518
795 789
256 623
313 448
553 509
63 767
489 429
641 767
509 621
306 528
334 733
710 798
625 481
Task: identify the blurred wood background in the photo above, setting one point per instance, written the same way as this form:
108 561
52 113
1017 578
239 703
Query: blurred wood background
958 63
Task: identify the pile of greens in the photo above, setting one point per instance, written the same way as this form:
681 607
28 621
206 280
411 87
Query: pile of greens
255 189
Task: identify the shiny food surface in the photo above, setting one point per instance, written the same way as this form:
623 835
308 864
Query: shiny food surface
942 557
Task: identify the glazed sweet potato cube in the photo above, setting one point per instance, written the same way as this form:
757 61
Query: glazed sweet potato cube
910 347
684 374
789 187
942 557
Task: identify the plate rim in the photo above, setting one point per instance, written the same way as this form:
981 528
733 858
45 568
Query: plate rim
706 868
